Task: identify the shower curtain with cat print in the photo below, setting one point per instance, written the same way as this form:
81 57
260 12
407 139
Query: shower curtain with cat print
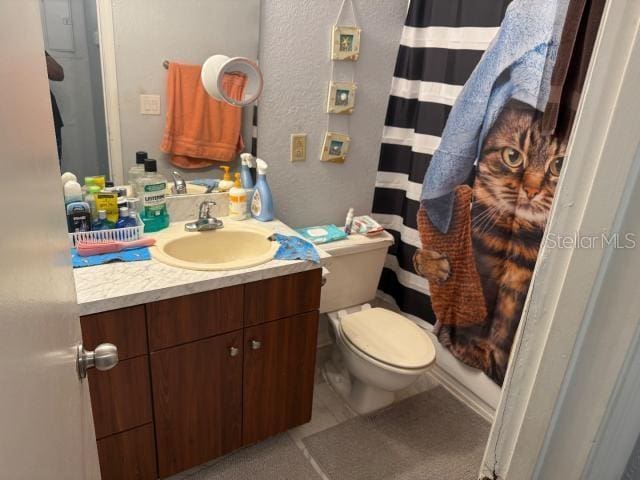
475 231
494 131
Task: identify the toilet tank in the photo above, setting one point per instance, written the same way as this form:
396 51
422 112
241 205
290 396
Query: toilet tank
354 270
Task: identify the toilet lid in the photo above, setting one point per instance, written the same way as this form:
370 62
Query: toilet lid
389 338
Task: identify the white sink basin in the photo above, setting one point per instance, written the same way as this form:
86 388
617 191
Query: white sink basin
232 247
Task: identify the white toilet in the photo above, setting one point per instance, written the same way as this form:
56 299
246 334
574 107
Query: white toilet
378 352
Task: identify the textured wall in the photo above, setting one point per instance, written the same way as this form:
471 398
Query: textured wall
147 32
294 56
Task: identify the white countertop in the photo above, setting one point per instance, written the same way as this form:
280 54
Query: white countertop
118 285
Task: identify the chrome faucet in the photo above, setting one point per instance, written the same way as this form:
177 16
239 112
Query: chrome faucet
206 220
179 185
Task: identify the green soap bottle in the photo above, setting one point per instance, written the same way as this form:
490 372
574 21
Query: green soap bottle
152 189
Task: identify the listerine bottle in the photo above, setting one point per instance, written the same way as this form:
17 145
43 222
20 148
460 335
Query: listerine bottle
153 203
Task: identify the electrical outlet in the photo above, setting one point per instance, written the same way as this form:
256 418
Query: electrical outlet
298 147
150 104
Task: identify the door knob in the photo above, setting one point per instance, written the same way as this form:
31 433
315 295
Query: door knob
255 344
233 351
104 357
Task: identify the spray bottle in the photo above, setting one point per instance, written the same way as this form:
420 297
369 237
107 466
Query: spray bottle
262 201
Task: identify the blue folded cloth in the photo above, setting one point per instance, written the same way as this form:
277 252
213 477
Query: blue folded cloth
517 65
206 182
295 248
133 255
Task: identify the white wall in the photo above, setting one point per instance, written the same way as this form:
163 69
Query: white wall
147 32
294 56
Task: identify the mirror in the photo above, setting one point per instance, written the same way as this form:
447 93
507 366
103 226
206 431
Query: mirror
72 53
219 69
106 63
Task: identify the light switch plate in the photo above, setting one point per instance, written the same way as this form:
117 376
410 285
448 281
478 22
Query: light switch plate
150 104
298 147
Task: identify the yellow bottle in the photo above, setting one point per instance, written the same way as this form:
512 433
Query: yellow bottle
226 183
237 200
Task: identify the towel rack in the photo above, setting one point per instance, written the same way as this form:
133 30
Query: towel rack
165 64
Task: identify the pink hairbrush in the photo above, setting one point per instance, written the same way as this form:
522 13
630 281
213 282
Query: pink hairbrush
86 249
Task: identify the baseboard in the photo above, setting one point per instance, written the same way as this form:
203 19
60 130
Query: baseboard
462 393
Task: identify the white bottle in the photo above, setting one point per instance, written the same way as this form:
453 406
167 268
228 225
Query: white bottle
72 192
237 200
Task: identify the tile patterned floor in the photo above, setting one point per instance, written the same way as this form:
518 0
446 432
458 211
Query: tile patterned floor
329 409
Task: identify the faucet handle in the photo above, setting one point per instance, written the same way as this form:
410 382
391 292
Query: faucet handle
179 184
204 211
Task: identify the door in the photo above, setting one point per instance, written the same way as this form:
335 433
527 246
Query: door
279 366
45 411
197 399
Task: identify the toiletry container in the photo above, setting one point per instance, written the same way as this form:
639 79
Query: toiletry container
101 223
68 177
152 188
108 201
98 180
137 170
72 192
237 200
125 220
377 352
78 217
90 198
226 183
246 178
262 201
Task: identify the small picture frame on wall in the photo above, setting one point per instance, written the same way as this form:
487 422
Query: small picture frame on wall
342 97
345 44
335 147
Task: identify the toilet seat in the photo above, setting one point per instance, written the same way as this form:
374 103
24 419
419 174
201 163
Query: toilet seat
389 338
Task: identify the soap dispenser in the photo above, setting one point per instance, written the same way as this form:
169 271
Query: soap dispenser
226 183
262 201
237 200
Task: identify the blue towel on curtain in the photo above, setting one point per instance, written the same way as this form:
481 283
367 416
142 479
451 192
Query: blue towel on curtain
517 65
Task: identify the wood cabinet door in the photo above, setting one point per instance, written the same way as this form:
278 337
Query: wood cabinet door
279 365
282 297
121 397
194 317
197 397
129 455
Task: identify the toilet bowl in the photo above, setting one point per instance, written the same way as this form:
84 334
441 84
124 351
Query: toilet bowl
377 353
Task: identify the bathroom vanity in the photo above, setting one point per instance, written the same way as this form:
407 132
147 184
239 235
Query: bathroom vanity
200 374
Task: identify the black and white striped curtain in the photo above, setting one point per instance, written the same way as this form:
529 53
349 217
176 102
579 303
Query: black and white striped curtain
442 41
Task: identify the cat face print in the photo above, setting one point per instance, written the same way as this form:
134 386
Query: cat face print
519 169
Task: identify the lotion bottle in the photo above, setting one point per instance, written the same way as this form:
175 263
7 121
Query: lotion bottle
237 200
262 201
226 183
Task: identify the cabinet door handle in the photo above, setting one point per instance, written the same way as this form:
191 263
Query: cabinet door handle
233 351
255 344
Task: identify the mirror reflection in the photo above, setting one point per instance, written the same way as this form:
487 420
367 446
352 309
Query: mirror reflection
133 69
72 53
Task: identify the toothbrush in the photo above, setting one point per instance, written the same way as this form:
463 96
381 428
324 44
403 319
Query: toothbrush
86 249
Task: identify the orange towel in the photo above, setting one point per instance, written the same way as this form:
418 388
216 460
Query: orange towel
200 129
459 300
